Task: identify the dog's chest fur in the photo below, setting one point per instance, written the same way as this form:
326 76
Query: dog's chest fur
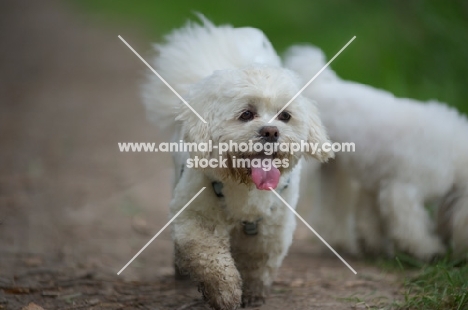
248 207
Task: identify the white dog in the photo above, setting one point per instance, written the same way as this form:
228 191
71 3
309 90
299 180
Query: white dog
233 237
407 153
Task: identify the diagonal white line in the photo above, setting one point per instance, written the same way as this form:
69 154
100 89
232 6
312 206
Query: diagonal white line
163 80
161 230
313 78
308 226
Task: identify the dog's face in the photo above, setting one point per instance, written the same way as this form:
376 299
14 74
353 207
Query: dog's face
237 105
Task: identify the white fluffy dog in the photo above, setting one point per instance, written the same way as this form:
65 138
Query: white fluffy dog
233 237
407 154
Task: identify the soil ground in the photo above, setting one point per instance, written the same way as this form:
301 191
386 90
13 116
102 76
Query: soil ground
74 210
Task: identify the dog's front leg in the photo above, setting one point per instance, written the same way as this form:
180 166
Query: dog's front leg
209 262
256 276
202 246
409 224
259 257
207 259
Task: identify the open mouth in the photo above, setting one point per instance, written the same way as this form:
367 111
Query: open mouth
263 172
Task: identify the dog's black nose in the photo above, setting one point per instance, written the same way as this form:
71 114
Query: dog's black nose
269 133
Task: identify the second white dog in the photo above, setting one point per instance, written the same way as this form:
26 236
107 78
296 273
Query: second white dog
407 153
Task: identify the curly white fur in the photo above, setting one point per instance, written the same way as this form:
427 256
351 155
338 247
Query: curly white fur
222 71
408 153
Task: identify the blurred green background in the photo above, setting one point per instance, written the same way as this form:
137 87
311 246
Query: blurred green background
415 49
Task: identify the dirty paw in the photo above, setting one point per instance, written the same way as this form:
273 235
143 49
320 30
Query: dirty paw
250 300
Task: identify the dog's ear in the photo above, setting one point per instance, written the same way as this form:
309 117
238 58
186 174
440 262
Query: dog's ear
194 130
198 121
317 134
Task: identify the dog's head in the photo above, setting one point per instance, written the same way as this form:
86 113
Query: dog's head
237 105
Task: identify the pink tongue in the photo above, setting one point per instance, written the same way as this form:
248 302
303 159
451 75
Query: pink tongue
265 179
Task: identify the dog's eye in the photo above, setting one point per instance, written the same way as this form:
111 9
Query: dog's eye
284 116
246 116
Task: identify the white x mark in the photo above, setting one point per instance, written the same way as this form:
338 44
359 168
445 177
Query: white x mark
161 230
313 78
308 226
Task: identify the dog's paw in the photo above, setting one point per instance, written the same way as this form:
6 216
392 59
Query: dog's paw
254 293
180 275
429 249
219 298
250 300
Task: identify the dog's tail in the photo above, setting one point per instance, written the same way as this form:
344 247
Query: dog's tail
306 61
195 52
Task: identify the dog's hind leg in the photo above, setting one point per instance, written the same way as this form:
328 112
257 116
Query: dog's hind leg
407 222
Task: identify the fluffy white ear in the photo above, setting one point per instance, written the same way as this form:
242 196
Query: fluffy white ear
318 134
194 130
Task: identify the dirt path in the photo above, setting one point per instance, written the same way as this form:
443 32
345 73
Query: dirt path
73 210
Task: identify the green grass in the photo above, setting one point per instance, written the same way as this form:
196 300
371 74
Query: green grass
439 286
415 49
